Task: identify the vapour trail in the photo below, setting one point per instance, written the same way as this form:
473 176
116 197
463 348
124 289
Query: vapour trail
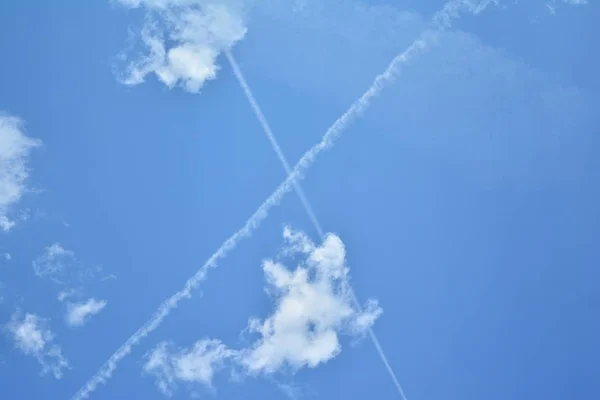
267 128
307 207
441 21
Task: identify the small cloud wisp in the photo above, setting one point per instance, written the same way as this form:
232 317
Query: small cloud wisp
78 314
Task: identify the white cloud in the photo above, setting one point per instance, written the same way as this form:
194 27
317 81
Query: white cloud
313 307
7 256
53 263
79 313
15 149
183 40
195 365
34 338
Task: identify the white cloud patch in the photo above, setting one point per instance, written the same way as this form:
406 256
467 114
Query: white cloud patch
32 336
6 256
313 307
183 39
54 262
80 313
195 365
15 149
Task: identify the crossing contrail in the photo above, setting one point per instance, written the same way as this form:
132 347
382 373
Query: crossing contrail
305 203
267 128
442 20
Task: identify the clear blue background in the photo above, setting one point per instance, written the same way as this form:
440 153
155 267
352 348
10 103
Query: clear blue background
467 195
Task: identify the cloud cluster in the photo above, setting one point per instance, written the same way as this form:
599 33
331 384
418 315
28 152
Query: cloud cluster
183 39
15 149
32 336
312 308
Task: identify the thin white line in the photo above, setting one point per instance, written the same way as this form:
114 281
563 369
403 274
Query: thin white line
267 128
442 19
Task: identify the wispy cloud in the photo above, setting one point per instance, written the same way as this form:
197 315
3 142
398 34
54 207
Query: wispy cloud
60 265
199 31
80 313
54 262
65 294
293 391
195 365
15 149
576 2
32 336
109 277
442 21
553 4
312 308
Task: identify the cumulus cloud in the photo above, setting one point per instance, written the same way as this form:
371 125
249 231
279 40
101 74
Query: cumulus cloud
80 313
32 336
313 307
54 262
15 149
183 39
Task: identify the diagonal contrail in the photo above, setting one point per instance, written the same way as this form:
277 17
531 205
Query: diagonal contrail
266 127
442 20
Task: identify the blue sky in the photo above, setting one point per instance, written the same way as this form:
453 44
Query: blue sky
458 196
